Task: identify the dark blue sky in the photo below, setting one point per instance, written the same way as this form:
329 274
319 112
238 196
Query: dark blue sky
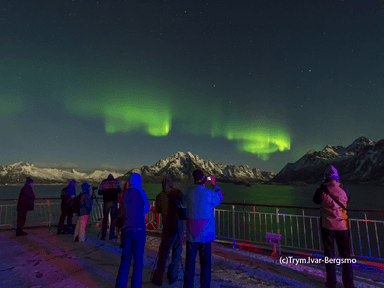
121 84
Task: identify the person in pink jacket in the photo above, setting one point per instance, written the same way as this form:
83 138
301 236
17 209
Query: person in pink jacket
333 199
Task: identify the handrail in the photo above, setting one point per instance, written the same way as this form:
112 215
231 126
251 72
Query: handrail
298 230
239 204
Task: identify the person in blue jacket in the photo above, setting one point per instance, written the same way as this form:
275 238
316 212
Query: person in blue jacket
25 203
133 233
200 203
83 213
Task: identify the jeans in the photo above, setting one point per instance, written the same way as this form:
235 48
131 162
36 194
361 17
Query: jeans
169 242
205 264
65 212
109 206
343 244
133 243
21 219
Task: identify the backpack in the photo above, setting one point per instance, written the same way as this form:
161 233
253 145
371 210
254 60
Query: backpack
76 203
133 209
180 211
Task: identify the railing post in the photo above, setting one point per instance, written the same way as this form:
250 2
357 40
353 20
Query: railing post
233 226
277 221
50 214
305 232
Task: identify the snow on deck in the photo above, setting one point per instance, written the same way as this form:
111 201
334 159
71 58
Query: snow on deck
44 259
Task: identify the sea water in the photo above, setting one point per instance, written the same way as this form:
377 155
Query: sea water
362 197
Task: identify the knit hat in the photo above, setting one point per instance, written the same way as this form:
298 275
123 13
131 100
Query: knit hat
110 177
29 180
331 173
199 177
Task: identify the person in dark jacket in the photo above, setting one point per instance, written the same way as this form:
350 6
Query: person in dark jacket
67 195
25 203
167 203
334 225
83 213
133 233
110 189
200 203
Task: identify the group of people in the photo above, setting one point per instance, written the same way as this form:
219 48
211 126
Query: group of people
83 209
130 205
200 206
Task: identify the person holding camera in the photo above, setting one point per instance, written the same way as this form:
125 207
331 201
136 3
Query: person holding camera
167 203
25 203
333 199
68 193
110 189
200 203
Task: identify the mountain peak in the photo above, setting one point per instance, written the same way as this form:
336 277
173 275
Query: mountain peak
361 160
180 166
359 144
179 154
311 151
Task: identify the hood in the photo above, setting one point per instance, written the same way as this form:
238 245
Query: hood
167 183
135 181
85 188
110 177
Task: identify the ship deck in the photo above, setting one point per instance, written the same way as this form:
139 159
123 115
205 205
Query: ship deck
45 259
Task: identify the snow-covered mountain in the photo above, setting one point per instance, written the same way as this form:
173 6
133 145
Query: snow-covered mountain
180 166
16 174
360 162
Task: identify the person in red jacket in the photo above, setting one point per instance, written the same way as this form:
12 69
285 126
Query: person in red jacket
110 189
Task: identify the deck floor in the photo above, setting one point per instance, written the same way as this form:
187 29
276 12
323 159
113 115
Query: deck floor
44 259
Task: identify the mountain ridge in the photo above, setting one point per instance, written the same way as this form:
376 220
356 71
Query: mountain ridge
362 162
181 165
16 174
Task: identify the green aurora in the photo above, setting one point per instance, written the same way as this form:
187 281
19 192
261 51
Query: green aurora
147 112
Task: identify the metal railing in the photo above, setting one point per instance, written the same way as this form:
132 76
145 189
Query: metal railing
299 227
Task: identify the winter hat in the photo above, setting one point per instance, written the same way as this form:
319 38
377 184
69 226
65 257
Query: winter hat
29 180
199 177
331 173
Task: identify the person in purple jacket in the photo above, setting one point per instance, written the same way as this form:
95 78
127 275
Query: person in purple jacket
200 203
334 225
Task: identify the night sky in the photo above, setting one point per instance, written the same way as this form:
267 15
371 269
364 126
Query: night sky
120 84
